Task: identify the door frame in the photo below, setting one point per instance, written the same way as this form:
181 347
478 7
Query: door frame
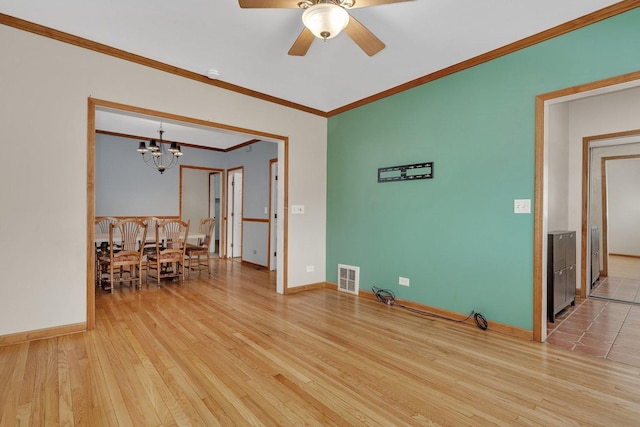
217 215
283 171
605 204
229 222
587 220
542 104
211 171
273 214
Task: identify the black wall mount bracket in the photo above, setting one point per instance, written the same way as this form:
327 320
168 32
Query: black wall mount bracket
406 172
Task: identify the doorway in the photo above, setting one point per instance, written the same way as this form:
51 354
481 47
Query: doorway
200 192
544 186
215 207
613 207
273 213
235 191
95 106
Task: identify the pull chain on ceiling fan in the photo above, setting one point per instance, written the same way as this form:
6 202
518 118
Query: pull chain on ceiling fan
325 19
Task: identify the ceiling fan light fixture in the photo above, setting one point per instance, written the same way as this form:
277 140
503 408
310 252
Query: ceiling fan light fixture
325 20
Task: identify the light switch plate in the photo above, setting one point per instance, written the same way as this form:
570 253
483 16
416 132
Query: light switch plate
522 206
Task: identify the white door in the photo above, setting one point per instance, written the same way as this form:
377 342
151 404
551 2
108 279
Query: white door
234 215
215 190
273 217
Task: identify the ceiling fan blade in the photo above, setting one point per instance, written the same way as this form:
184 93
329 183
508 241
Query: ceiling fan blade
302 43
363 37
368 3
269 4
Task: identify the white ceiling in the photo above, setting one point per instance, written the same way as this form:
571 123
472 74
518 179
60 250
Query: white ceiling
249 46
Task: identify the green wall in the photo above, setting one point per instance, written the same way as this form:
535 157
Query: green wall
456 236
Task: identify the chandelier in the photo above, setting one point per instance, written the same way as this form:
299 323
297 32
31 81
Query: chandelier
156 156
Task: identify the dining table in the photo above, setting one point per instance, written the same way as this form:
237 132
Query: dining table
151 236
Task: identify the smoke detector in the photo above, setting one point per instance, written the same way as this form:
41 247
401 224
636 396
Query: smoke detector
213 74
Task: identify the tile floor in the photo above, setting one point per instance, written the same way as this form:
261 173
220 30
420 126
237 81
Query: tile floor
601 328
618 288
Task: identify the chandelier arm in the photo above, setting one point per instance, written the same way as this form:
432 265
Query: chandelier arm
157 161
174 162
148 159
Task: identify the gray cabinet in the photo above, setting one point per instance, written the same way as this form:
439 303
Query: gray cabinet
561 271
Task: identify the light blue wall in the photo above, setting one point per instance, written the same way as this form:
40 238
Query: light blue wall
125 186
255 161
455 236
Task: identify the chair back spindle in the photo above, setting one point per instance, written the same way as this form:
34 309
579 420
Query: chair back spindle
129 234
173 234
102 223
206 227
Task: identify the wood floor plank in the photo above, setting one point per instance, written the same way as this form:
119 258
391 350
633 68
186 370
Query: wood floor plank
65 401
228 350
73 367
108 362
14 357
172 396
51 384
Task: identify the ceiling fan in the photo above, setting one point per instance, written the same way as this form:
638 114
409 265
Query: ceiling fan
325 19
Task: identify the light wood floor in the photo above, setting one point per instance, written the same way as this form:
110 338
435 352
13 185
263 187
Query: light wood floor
230 351
626 267
623 283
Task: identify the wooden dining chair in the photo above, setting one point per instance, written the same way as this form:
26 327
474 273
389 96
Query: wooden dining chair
101 224
150 243
168 260
124 264
207 225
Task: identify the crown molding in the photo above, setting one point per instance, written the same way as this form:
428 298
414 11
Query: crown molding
128 56
599 15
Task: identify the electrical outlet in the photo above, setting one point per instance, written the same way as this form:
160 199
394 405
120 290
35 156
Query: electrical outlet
311 268
297 209
403 281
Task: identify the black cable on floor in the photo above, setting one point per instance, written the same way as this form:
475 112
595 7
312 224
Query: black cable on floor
387 296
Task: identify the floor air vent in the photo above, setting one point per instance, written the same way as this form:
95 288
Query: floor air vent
348 278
